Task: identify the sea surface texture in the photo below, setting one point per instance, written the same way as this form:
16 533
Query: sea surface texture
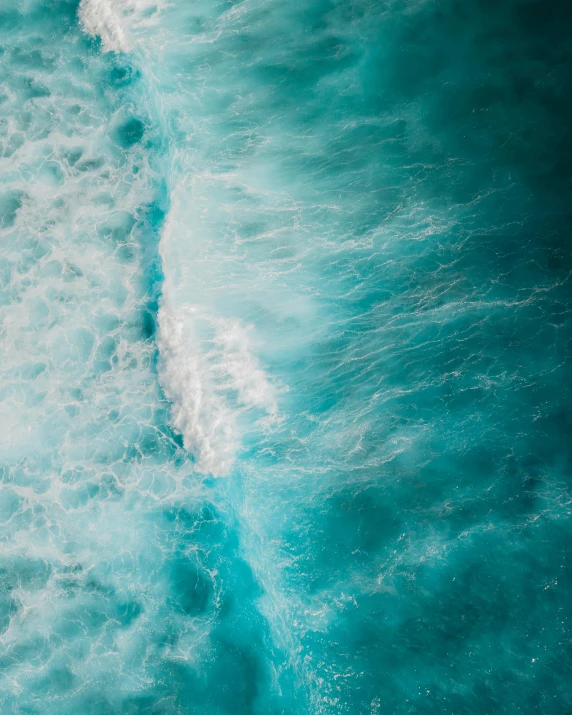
285 374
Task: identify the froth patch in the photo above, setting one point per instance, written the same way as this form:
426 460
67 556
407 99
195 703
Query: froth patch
103 19
203 384
116 22
241 368
206 424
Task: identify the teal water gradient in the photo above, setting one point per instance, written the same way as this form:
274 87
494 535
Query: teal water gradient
286 331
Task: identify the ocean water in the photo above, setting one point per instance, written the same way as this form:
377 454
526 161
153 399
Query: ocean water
286 328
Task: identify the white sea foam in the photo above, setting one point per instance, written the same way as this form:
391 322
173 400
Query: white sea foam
199 381
103 18
197 412
116 21
242 369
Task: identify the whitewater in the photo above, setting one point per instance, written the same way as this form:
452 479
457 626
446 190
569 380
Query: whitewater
285 383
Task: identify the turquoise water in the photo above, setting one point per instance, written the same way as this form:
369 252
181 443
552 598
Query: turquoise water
285 389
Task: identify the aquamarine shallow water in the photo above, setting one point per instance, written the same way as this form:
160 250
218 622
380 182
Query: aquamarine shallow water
285 381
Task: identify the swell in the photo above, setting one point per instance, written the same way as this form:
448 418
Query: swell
220 395
198 412
207 367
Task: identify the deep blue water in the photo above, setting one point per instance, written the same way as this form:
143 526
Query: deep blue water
286 378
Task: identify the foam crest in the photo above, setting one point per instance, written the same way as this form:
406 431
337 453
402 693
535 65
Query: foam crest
197 412
116 22
210 383
244 373
103 19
